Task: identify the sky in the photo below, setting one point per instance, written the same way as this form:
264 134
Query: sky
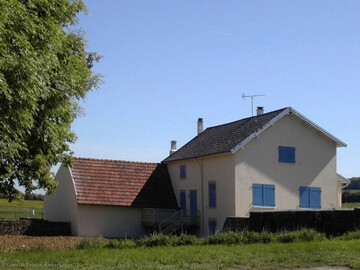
167 63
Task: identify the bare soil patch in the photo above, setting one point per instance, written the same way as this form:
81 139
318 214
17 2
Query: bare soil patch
10 243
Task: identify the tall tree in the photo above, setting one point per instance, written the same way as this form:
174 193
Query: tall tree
44 71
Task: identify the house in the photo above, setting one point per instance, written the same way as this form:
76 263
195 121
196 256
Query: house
279 160
108 197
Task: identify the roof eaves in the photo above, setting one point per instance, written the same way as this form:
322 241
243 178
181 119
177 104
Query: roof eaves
242 144
343 178
335 139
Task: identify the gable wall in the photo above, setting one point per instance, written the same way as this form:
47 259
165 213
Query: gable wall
258 163
216 169
62 205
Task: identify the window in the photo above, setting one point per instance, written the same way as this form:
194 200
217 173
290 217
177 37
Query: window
183 200
182 171
287 154
263 195
212 194
212 226
310 197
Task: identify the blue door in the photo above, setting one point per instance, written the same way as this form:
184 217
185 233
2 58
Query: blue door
193 203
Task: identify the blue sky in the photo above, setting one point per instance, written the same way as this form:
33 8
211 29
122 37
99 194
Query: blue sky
166 63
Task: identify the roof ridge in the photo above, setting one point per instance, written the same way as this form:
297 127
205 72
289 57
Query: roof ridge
247 118
235 132
115 160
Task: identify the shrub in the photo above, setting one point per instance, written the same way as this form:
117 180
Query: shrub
120 243
286 237
155 240
230 238
307 235
236 238
351 196
185 239
304 235
87 243
251 237
349 236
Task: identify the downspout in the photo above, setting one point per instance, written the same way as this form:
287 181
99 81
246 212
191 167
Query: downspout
202 195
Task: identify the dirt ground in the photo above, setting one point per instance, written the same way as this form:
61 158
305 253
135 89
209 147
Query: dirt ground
9 243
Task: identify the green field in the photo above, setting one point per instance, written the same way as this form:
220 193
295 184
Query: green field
254 256
351 205
20 209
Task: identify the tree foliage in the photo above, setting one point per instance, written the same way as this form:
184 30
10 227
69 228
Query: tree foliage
44 71
355 183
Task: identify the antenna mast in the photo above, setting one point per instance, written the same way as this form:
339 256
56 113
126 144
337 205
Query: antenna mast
244 96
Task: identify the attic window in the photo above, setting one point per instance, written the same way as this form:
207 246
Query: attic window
182 171
286 154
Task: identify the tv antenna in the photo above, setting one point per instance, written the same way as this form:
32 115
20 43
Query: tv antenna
244 96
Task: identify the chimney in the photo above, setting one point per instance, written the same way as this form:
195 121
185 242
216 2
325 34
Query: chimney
200 126
173 147
260 110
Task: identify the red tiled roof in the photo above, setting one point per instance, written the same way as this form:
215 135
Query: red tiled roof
122 183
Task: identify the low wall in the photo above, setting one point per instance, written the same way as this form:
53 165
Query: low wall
330 222
34 227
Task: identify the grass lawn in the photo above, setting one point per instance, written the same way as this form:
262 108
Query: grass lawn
254 256
17 209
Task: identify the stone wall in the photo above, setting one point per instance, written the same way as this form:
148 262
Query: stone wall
330 222
34 227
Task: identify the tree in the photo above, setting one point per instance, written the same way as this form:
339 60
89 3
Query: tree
44 71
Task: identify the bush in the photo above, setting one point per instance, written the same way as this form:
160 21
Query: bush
286 237
351 196
304 235
33 197
230 238
355 183
155 240
307 235
251 237
349 236
120 243
185 239
87 243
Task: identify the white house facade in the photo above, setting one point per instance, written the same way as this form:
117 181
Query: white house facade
279 160
275 161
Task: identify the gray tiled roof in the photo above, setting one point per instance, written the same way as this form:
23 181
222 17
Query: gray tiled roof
221 139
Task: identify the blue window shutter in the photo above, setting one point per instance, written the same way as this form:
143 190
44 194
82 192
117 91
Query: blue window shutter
315 197
212 226
269 195
257 195
183 200
182 171
212 195
304 197
286 154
